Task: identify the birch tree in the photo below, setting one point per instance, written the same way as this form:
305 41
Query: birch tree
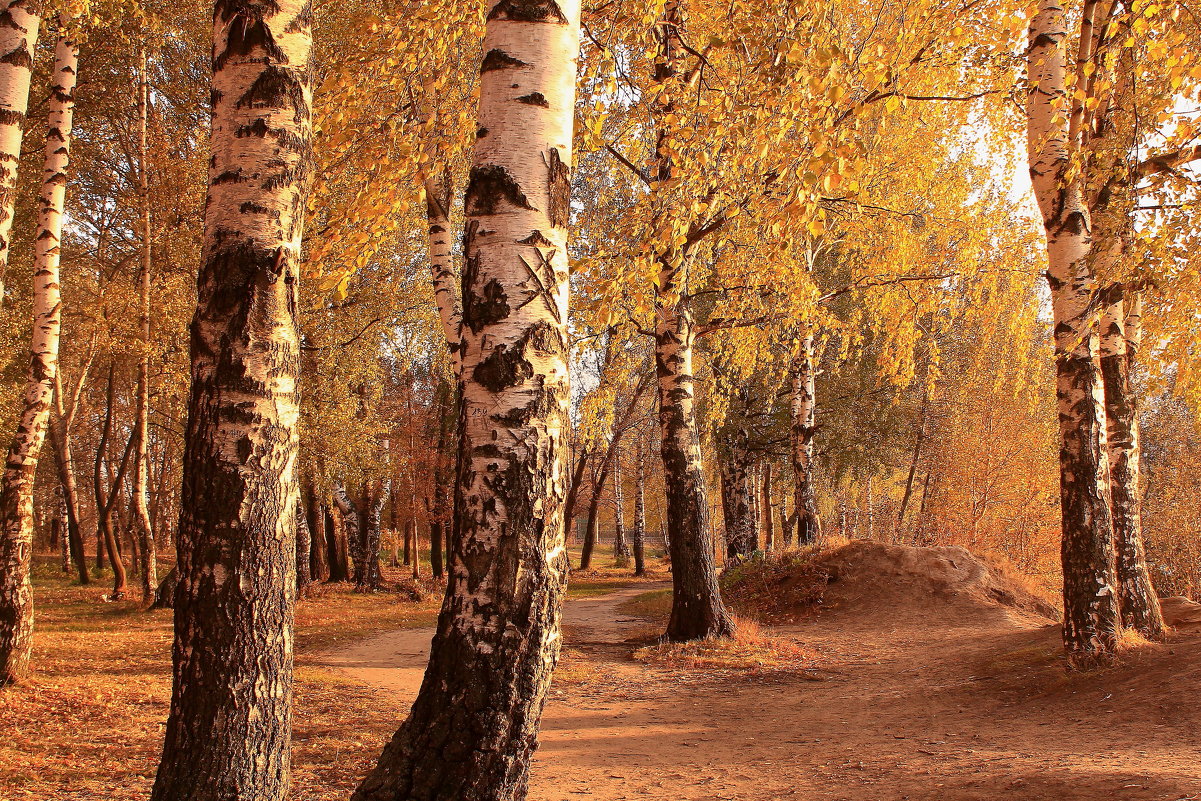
1091 619
472 729
141 465
16 484
803 429
19 22
230 724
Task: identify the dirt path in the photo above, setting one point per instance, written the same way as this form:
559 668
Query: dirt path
918 708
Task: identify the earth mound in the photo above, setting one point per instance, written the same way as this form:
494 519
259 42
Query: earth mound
894 581
1181 613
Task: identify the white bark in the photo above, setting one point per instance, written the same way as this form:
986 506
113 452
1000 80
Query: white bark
516 289
141 465
18 34
1091 616
16 490
442 271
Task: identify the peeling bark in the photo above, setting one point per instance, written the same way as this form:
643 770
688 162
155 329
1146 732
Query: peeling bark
473 727
230 725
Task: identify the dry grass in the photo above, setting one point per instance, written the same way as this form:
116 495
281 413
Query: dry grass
750 649
88 724
1046 588
773 587
654 605
605 577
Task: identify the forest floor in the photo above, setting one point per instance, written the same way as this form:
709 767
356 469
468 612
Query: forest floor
900 704
903 702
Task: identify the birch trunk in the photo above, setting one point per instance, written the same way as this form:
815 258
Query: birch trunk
319 548
105 502
440 513
335 536
304 547
19 22
638 538
473 727
804 427
697 610
737 499
230 725
592 532
766 512
1091 618
438 194
621 549
1120 339
913 463
1113 208
373 502
16 486
352 526
60 437
141 465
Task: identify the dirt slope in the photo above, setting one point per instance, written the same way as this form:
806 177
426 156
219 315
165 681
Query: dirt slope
873 581
963 706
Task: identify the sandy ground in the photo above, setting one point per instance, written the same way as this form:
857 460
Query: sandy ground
914 707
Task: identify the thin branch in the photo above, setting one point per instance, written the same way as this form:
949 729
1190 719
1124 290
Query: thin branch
631 165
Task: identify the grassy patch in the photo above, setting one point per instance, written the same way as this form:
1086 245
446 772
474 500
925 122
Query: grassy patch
749 650
654 605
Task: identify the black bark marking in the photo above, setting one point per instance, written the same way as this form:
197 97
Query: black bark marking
10 117
528 11
534 99
230 177
487 308
1075 223
250 207
246 34
481 132
503 368
500 60
274 87
559 180
488 185
287 177
538 240
19 57
489 451
303 20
